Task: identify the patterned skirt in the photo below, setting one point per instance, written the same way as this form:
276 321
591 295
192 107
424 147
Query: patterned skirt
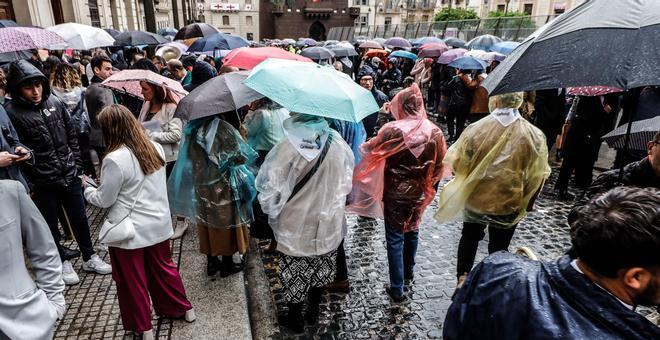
299 274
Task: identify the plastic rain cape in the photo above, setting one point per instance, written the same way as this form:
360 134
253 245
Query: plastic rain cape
312 222
411 131
211 182
498 170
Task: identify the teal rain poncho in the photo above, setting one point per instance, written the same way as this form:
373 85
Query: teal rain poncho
211 182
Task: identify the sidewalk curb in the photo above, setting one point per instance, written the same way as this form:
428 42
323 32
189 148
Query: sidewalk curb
261 306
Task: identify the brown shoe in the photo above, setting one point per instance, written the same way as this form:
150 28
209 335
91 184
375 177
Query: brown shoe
338 287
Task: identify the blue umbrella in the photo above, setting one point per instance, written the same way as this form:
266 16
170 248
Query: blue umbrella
403 54
306 42
455 42
505 47
218 41
468 63
312 89
168 31
426 40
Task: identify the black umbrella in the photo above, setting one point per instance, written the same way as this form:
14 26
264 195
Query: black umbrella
605 43
343 51
113 32
455 42
196 30
136 38
220 94
641 133
317 53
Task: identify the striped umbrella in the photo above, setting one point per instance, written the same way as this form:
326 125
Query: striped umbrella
641 133
13 39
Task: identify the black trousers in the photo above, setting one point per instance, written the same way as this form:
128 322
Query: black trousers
581 161
50 200
342 268
86 156
498 239
456 117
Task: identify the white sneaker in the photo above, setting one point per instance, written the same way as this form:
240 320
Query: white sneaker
95 264
148 335
68 274
190 315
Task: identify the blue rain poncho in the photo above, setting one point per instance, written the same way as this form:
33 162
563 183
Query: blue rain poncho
211 182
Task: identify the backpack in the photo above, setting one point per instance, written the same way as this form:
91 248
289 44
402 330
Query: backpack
79 116
460 95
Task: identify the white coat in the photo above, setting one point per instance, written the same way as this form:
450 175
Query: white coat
171 129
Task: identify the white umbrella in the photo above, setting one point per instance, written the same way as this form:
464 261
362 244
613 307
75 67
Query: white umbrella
82 37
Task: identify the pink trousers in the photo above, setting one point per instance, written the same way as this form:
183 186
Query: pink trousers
140 273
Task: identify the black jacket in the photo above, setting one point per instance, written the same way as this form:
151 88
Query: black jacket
637 174
45 128
371 121
201 72
9 142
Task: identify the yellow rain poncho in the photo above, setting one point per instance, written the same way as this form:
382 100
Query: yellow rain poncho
500 163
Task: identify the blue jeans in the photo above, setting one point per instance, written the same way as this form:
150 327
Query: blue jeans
401 250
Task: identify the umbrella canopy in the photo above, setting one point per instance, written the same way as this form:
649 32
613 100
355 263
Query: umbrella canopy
398 42
427 40
128 81
168 32
455 42
176 44
113 32
505 47
592 91
13 39
489 57
641 133
196 30
312 89
380 40
220 94
8 23
306 42
82 37
605 43
137 38
403 54
288 41
377 53
330 43
432 50
317 53
218 41
451 55
483 42
248 58
343 51
468 63
371 44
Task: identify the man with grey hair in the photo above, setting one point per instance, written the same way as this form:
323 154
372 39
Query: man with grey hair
178 72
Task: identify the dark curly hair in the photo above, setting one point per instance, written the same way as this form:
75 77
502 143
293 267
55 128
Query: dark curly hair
618 229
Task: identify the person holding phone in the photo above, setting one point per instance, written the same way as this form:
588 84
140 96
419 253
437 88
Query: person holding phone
12 152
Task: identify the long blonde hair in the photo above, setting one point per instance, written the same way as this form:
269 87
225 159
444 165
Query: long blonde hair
120 127
65 77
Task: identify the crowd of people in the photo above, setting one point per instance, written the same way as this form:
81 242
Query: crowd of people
262 171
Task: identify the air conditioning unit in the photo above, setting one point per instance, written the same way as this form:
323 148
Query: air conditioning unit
248 7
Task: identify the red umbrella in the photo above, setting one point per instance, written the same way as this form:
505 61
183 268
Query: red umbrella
14 39
371 44
432 50
247 58
592 91
128 81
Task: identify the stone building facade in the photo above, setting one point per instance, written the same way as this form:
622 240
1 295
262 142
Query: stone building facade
304 18
239 17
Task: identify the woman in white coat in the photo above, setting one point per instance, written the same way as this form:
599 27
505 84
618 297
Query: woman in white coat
157 116
133 174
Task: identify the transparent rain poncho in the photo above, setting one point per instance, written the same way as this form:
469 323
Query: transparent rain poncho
311 222
499 163
400 165
211 182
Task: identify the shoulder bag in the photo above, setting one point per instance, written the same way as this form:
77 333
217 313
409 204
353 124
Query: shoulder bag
123 230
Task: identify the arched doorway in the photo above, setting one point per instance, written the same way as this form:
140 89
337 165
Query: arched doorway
317 31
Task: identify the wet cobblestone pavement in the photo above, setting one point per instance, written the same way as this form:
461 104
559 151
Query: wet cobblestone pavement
92 306
368 313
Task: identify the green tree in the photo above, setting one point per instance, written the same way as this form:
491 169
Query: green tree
455 14
500 19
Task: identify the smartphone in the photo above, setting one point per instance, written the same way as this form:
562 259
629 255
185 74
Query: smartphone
90 182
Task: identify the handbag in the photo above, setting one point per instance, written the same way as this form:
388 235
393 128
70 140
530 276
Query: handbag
121 231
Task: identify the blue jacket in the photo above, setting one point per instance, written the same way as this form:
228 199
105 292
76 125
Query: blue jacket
510 297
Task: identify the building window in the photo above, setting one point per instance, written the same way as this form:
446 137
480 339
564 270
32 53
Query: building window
361 21
501 8
528 9
225 20
94 13
248 2
248 20
390 4
365 2
560 8
388 23
425 18
250 36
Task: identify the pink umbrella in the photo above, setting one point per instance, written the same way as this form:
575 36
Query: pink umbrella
450 55
432 50
592 91
128 81
14 39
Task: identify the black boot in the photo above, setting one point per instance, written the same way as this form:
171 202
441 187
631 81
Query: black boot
213 265
229 267
314 299
294 319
